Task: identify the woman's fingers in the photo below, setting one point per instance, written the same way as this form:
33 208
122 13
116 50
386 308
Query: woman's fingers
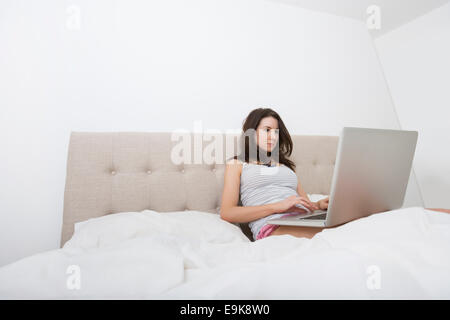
307 204
307 201
324 203
297 209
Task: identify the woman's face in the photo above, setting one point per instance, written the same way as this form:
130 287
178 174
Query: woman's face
267 133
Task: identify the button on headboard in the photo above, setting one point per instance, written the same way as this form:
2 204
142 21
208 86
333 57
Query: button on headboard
110 172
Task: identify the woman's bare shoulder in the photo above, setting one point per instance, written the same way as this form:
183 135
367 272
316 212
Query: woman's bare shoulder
235 163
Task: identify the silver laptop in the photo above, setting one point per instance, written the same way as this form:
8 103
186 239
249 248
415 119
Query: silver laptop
371 174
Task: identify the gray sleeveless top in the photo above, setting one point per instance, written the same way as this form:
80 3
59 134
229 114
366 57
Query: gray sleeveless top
261 185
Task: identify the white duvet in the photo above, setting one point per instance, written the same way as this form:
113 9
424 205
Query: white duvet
398 254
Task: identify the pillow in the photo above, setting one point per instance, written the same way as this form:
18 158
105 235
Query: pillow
118 227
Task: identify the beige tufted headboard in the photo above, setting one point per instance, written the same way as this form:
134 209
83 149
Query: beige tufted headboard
110 172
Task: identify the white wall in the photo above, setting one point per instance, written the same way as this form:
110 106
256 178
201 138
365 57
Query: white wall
159 66
416 61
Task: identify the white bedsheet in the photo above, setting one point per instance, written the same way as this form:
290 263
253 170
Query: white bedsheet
398 254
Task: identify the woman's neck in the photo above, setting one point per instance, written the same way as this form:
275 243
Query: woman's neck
272 163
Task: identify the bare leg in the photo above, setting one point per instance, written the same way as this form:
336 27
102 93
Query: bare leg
309 232
441 210
300 232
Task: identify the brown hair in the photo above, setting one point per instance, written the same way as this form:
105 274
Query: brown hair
284 146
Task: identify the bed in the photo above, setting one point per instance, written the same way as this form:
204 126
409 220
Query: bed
137 225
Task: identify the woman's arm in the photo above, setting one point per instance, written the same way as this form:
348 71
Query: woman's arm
229 210
239 214
439 209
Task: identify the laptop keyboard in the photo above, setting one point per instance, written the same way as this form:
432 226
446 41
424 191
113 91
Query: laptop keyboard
316 217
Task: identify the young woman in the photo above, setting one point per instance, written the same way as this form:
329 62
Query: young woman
266 179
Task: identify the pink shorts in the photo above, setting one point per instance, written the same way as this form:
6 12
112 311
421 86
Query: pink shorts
267 229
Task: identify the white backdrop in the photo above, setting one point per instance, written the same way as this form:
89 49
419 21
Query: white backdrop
159 66
415 58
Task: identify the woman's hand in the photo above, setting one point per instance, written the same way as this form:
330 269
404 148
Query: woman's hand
323 203
289 205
